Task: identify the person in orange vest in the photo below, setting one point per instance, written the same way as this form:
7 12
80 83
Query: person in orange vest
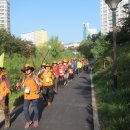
55 71
48 84
4 95
31 85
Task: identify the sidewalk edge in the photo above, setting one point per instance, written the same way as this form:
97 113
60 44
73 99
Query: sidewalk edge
95 112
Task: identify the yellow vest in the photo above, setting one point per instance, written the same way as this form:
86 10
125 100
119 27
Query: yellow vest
47 78
79 65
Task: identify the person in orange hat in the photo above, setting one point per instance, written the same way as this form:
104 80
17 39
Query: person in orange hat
55 71
31 85
61 74
66 74
4 95
48 84
41 70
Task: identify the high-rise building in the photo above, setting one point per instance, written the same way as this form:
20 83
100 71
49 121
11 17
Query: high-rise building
129 5
106 15
87 31
38 37
5 15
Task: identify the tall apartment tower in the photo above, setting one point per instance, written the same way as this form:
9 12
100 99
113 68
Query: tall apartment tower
5 15
106 15
87 31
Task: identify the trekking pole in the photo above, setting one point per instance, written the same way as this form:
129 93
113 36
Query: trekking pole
30 53
46 54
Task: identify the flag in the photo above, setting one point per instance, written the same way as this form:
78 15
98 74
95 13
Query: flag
2 60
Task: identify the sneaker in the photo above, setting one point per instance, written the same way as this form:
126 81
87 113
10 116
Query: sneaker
35 123
27 125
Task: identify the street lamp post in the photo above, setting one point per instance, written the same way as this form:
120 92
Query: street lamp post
113 6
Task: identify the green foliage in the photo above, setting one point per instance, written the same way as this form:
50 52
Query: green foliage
100 46
114 113
55 47
10 44
85 47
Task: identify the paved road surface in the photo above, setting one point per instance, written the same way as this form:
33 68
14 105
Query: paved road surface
71 109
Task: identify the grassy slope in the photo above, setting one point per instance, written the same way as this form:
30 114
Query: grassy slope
114 113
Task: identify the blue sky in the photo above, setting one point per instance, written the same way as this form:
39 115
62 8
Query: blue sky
62 18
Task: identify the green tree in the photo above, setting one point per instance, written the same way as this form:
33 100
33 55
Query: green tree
100 46
85 47
56 49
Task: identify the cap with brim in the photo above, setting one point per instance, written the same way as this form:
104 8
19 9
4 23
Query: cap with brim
48 65
54 62
43 65
59 62
2 68
65 61
27 67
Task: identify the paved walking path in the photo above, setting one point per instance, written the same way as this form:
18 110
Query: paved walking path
71 109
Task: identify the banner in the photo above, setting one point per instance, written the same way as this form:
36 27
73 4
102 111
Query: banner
2 60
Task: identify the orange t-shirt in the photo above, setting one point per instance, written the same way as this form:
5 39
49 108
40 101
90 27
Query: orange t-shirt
30 87
4 90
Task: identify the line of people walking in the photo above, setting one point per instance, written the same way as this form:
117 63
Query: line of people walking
42 84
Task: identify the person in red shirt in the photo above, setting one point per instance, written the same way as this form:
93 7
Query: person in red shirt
66 74
61 74
55 71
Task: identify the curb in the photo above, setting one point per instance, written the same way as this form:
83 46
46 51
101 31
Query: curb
95 112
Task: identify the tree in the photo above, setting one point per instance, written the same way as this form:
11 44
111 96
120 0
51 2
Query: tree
85 47
100 46
55 47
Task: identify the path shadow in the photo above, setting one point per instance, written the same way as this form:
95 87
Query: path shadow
18 110
84 88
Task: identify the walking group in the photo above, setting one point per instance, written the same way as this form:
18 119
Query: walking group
44 83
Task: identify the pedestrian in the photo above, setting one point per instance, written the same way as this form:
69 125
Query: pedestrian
48 84
75 66
61 74
31 86
4 95
66 74
41 70
71 73
55 71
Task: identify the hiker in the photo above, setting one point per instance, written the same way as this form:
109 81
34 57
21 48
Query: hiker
71 73
55 71
74 63
31 85
66 74
41 70
61 74
4 95
48 84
